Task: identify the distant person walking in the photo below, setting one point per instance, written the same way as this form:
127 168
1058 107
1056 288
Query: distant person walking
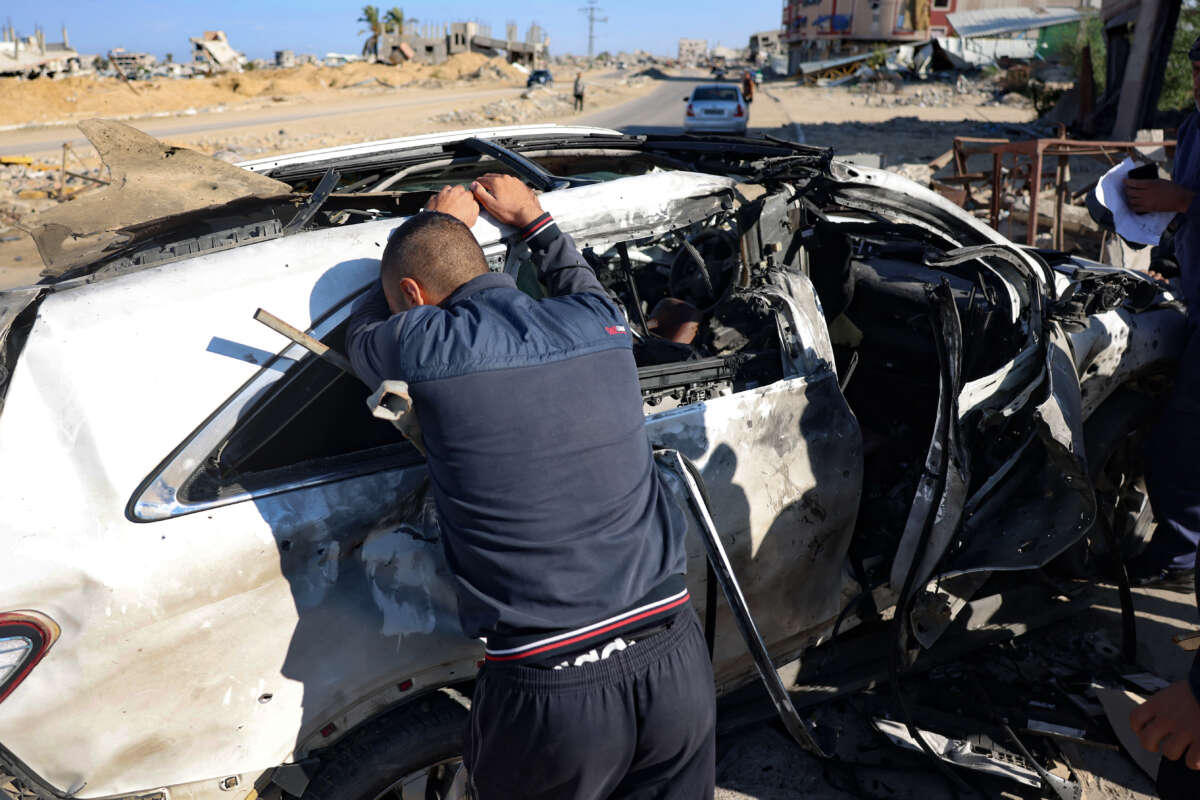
579 88
748 86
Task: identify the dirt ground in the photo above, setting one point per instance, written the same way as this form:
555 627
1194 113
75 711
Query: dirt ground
41 101
269 112
764 764
904 124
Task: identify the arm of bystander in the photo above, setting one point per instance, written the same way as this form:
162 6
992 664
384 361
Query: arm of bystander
560 266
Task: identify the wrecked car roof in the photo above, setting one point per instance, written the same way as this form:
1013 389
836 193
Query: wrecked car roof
381 146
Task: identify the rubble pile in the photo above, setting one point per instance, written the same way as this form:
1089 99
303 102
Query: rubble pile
535 103
36 102
889 92
27 189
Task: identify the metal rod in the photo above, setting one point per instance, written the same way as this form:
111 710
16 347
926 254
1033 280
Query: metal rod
301 338
717 558
1035 188
85 177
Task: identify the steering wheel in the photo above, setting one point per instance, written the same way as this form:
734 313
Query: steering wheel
705 268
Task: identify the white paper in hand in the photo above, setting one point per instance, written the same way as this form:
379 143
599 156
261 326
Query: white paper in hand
1137 228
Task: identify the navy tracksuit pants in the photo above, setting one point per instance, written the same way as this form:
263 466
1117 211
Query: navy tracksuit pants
640 724
1173 469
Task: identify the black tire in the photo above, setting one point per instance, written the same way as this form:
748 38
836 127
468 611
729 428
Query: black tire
380 753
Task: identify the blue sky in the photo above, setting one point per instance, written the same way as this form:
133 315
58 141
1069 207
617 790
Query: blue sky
259 27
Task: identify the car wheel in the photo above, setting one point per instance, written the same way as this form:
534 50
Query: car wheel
412 752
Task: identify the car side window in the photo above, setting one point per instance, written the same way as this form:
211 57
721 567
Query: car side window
313 419
527 280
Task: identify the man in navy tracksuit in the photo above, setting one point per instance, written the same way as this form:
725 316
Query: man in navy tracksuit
566 547
1170 721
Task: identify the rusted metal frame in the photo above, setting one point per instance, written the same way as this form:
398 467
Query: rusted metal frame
1038 150
967 146
997 171
1035 186
1061 175
1072 146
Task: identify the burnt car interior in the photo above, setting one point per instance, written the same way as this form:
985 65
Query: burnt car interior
873 281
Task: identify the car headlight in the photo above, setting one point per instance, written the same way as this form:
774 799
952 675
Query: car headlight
25 636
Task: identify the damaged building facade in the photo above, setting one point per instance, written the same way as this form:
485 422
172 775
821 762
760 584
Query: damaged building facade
213 53
33 56
692 51
433 44
818 29
131 63
765 45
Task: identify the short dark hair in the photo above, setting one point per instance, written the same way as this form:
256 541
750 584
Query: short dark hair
436 250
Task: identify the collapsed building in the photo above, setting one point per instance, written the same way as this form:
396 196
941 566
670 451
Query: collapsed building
213 53
434 44
821 29
131 64
765 46
33 56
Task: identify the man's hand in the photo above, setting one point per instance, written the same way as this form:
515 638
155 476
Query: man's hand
1157 195
457 202
1170 723
507 199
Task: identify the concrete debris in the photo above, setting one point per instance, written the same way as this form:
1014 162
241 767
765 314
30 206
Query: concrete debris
888 89
214 53
33 56
150 181
537 102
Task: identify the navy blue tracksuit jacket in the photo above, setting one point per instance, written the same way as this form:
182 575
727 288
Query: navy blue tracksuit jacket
1172 475
556 525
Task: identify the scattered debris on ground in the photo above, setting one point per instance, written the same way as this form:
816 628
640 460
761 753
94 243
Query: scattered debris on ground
1045 692
40 101
536 102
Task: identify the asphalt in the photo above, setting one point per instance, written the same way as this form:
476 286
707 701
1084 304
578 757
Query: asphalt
661 111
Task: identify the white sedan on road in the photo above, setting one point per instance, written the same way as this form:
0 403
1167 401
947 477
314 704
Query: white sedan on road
717 108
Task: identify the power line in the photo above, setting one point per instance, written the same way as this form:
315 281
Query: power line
590 10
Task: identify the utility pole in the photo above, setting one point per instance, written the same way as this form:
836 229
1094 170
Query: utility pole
590 10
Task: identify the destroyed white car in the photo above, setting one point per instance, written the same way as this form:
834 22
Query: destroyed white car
223 577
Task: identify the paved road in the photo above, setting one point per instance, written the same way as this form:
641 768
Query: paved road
662 111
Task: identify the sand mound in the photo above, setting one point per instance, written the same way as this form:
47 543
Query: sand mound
43 100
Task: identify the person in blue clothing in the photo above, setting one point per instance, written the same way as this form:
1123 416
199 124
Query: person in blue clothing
566 547
1170 721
